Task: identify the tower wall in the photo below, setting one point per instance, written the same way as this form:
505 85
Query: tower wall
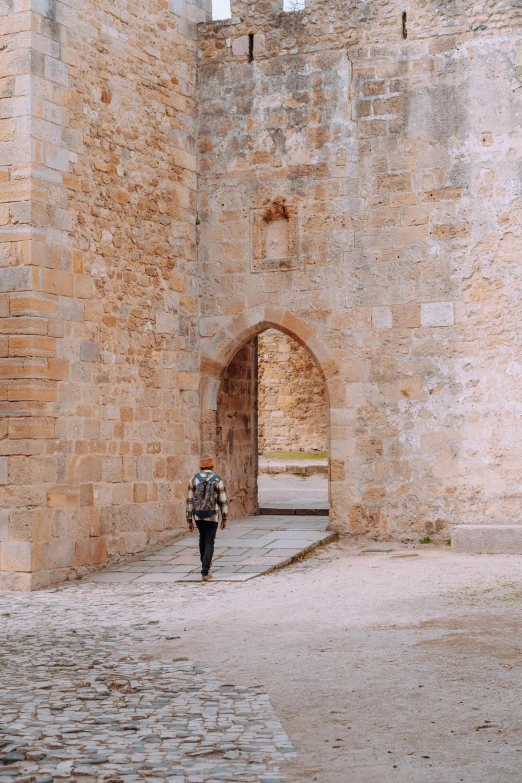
397 160
99 286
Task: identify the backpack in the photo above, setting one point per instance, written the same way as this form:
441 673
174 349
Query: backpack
205 496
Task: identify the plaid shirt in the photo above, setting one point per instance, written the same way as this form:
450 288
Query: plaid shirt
221 497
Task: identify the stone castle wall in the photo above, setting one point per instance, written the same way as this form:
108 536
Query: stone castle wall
293 407
366 185
99 283
168 190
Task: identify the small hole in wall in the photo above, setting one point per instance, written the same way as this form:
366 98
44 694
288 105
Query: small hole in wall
404 28
293 5
251 47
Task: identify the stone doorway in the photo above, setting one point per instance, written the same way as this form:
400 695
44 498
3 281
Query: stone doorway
272 428
229 414
292 426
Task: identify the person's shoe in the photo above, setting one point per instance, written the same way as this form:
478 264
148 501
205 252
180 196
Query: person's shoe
207 577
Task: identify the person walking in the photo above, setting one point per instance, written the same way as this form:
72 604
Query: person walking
206 498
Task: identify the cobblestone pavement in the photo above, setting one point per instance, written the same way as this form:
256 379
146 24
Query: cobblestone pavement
247 548
81 701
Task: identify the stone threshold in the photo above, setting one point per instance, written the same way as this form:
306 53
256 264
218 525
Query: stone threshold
302 512
310 467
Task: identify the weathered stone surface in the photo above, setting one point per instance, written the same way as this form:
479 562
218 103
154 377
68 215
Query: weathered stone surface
487 539
392 163
169 190
106 710
99 276
293 409
236 443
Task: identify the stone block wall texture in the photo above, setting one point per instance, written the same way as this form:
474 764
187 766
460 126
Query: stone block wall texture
293 406
236 441
170 188
98 281
400 160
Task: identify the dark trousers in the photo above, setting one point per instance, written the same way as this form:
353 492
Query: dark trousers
207 537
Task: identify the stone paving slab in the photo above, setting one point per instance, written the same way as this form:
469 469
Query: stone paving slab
247 548
219 578
113 576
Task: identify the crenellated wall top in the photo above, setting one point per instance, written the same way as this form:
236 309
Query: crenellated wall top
344 23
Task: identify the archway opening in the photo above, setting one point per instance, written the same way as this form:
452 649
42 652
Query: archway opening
272 429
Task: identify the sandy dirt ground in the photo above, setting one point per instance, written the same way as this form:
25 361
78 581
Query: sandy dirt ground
380 668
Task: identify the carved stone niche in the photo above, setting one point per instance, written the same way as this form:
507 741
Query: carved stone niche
274 237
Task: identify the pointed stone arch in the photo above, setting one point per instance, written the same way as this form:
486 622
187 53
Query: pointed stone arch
219 351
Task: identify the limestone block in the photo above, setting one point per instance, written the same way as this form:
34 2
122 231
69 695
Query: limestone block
112 469
18 190
487 539
89 352
32 345
56 71
382 318
140 493
91 551
121 494
195 14
406 316
437 314
60 496
166 323
178 7
27 470
374 87
17 556
58 369
54 281
145 468
70 309
32 304
56 554
15 279
4 524
240 46
57 157
18 149
209 392
10 580
4 470
134 542
86 468
129 468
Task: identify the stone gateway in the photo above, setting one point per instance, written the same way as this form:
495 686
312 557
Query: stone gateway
170 187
